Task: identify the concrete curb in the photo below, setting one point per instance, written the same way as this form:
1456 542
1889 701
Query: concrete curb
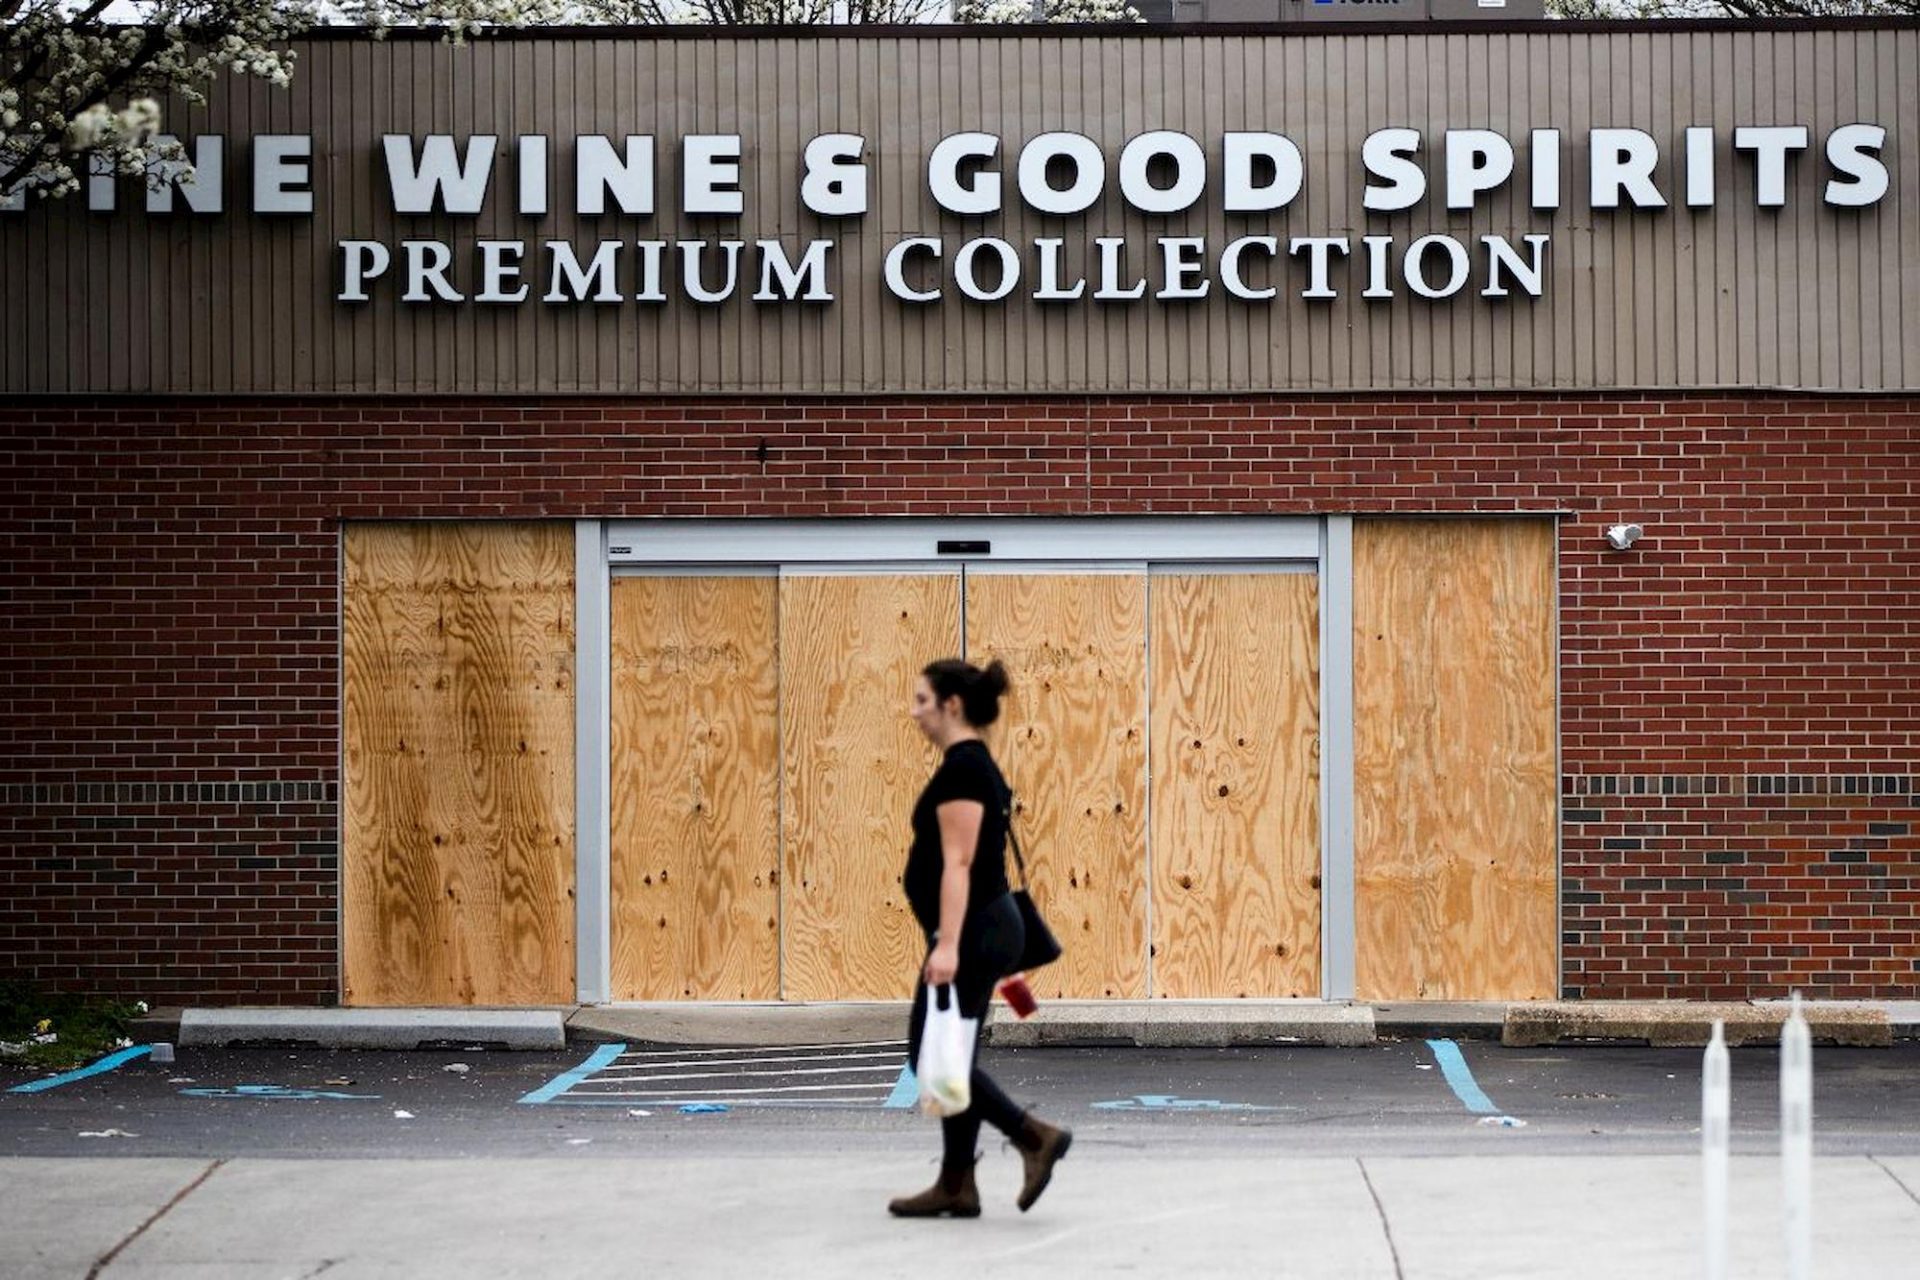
1690 1024
741 1024
375 1028
1183 1023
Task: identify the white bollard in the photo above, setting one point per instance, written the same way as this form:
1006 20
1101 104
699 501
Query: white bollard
1715 1100
1796 1140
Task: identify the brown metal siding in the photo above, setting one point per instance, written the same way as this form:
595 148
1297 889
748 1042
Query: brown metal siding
1805 296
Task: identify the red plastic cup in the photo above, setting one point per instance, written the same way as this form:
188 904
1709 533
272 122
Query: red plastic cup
1018 995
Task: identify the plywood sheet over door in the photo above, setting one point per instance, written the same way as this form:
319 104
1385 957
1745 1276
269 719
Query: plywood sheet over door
1454 763
852 760
695 789
1236 784
1072 741
458 818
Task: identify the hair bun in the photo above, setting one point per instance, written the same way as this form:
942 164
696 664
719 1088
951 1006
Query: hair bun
993 679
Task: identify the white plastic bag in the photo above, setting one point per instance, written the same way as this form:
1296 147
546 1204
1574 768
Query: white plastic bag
945 1068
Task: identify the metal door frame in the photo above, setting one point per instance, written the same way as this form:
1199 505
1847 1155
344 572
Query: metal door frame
603 549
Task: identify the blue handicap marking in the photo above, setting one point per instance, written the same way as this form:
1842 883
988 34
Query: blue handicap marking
1173 1102
274 1091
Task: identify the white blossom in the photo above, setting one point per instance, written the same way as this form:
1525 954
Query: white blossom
80 93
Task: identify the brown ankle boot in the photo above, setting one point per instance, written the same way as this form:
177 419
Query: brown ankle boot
1041 1146
953 1192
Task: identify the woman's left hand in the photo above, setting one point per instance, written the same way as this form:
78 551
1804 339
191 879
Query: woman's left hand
942 964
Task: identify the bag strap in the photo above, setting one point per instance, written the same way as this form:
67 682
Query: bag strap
1014 838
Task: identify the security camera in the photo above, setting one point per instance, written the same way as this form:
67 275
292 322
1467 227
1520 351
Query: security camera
1622 536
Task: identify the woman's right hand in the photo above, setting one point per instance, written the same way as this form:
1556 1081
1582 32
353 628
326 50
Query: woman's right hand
943 962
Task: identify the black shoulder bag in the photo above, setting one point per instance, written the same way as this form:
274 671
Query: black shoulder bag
1042 947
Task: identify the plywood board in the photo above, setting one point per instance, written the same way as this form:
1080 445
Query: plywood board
1454 762
458 820
852 762
1073 742
1236 784
695 789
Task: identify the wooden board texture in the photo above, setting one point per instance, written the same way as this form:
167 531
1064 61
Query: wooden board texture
1072 741
458 819
1236 785
695 789
851 647
1454 764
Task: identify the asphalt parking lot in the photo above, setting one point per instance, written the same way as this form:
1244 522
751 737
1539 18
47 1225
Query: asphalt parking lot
1409 1096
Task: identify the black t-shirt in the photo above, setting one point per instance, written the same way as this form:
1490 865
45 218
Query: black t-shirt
967 773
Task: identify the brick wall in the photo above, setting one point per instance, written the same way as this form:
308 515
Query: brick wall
1740 743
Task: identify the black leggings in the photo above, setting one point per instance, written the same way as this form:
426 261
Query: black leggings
990 946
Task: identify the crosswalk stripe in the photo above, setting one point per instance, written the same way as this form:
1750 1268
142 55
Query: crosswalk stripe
761 1048
704 1062
787 1088
888 1072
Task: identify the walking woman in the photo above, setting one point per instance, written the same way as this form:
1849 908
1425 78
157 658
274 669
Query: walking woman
956 883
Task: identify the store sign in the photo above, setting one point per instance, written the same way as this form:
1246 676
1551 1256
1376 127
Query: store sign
1063 177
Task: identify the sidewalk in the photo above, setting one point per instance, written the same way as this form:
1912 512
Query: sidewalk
1111 1211
1196 1023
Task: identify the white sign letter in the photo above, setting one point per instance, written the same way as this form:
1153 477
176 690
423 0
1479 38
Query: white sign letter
1189 173
204 189
1501 255
1112 248
283 173
1477 160
1623 160
1230 277
943 174
811 273
569 282
1289 172
1184 267
963 273
894 269
1386 154
710 174
1700 167
533 175
1089 172
427 263
1048 269
1318 248
835 185
598 170
499 267
1854 150
360 261
690 253
460 185
1546 168
1415 269
1770 147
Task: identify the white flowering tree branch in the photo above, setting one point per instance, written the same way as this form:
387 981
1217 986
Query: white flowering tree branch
1730 8
82 81
80 93
1079 11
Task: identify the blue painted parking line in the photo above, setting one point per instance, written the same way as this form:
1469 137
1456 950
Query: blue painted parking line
906 1091
1454 1066
553 1088
1174 1102
107 1063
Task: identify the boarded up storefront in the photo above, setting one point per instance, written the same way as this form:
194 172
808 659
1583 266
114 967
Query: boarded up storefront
505 515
